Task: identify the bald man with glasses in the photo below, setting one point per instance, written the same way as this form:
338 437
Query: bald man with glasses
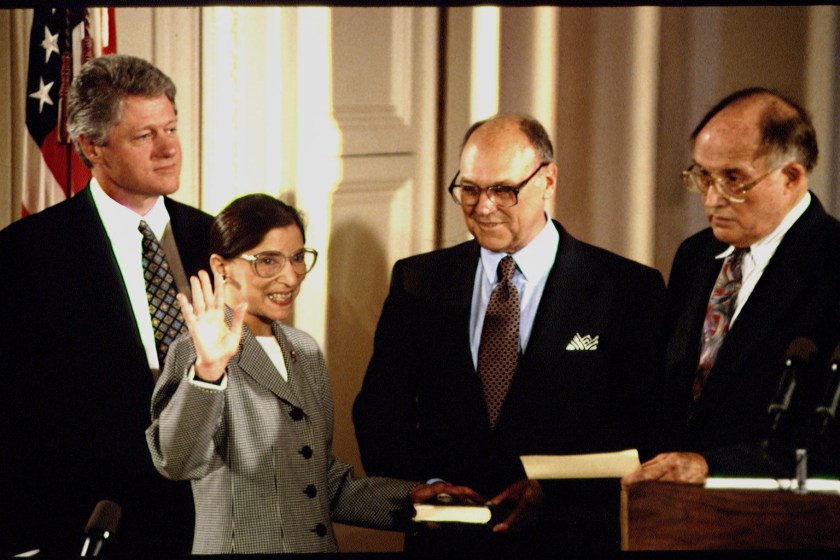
522 341
765 273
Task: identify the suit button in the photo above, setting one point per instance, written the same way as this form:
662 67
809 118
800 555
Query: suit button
306 451
296 414
311 491
320 530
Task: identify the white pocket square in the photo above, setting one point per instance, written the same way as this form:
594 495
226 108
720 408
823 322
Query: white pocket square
587 342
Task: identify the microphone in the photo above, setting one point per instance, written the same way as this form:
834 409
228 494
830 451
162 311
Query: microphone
827 407
101 526
798 353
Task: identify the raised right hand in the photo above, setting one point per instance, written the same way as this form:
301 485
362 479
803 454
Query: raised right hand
215 342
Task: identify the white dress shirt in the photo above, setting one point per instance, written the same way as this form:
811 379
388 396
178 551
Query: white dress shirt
275 354
121 224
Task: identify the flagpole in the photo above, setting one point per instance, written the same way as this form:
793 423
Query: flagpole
66 77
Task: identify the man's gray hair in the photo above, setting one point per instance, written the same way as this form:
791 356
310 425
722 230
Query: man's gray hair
94 102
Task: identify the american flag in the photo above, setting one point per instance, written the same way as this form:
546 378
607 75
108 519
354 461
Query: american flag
61 40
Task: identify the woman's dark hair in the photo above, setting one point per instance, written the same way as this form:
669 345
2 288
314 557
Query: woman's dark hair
244 223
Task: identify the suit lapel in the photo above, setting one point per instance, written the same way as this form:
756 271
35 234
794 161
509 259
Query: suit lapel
92 236
448 293
558 318
459 300
771 299
692 301
555 313
256 364
190 228
96 254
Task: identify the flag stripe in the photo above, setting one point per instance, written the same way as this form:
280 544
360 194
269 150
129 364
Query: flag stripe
36 173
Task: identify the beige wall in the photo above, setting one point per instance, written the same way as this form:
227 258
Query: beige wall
355 114
702 54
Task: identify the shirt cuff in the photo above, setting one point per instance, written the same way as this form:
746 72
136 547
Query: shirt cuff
221 386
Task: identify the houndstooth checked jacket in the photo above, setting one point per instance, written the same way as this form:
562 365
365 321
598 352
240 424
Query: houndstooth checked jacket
259 453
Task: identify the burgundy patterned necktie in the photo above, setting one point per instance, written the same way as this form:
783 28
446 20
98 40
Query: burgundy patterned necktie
718 314
499 347
167 321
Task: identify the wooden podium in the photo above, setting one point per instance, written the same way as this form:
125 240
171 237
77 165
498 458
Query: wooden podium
670 516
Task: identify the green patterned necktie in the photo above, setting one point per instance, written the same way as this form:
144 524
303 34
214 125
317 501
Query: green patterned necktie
167 321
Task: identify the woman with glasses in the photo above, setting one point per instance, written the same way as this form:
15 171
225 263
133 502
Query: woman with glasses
244 408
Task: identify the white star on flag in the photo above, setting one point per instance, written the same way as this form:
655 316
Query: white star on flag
43 95
50 44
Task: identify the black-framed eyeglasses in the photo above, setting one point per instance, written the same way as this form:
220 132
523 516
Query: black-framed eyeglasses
699 180
269 264
503 196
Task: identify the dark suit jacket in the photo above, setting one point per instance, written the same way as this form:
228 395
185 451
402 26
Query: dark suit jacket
77 386
421 413
798 295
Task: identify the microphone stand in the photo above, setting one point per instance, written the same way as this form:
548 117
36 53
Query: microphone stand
802 471
784 409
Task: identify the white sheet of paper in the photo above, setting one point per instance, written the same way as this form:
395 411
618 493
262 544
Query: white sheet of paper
592 465
812 484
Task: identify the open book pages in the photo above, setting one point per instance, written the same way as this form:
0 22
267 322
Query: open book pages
591 465
433 513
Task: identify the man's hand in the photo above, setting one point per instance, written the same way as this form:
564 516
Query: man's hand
670 467
458 494
527 496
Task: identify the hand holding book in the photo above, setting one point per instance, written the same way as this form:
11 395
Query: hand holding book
432 493
526 498
441 502
517 506
520 504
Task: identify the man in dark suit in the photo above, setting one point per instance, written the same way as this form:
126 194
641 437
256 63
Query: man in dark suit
77 345
752 154
585 354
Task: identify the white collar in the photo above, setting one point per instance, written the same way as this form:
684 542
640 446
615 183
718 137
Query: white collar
534 260
117 217
762 250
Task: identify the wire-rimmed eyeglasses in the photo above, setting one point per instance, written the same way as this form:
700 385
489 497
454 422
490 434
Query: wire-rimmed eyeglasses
700 181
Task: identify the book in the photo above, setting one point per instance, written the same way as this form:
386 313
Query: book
436 513
590 465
